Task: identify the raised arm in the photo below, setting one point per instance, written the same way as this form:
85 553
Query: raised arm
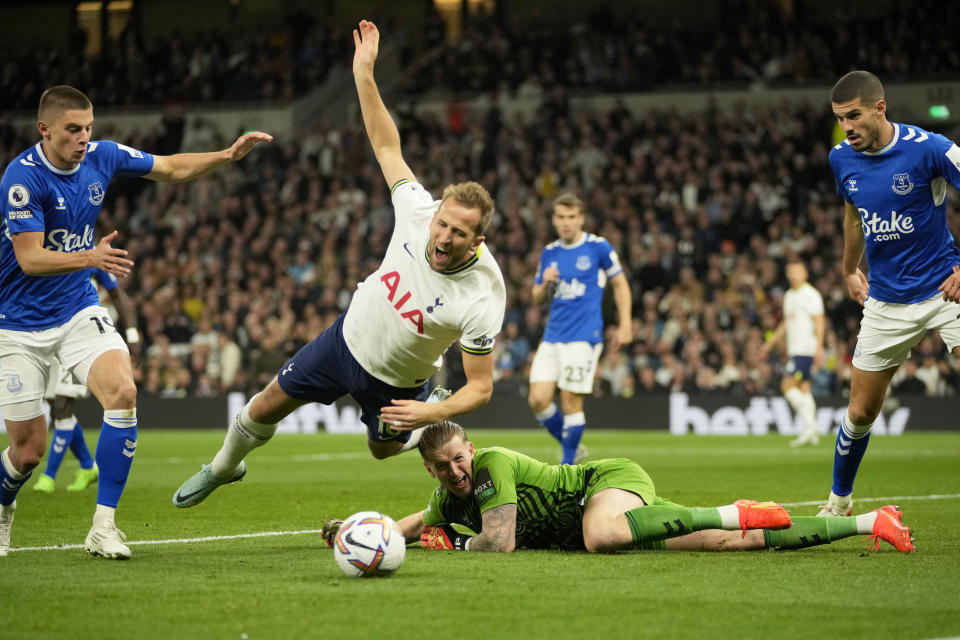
381 130
853 247
183 167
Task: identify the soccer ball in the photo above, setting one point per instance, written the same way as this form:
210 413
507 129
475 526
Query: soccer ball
369 544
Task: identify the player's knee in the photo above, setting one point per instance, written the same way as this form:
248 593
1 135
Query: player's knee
383 450
537 403
124 396
600 541
860 415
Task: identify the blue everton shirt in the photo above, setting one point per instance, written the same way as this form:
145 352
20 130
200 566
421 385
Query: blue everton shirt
576 314
900 192
64 205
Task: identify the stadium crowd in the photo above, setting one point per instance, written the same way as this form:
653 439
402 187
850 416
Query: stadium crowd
752 42
236 271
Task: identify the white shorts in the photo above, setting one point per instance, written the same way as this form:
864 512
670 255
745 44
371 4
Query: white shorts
62 383
572 365
26 357
888 331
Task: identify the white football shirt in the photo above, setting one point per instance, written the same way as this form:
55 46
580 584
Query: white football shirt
405 315
800 306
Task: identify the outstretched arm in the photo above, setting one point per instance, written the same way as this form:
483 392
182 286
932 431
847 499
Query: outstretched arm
183 167
37 261
381 130
405 415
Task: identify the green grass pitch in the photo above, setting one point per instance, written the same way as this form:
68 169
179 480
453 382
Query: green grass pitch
288 585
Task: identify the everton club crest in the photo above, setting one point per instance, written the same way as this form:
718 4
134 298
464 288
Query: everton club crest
96 193
902 184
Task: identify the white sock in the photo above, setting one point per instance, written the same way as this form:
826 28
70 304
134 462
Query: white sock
795 397
102 514
8 465
808 413
243 436
65 424
413 441
865 522
729 517
547 413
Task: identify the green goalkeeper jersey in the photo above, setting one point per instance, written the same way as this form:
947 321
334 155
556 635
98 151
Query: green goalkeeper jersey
549 498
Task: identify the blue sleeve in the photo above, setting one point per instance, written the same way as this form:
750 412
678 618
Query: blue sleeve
106 280
127 161
25 198
833 158
946 160
605 253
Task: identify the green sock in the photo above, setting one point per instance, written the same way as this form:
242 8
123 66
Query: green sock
664 519
809 531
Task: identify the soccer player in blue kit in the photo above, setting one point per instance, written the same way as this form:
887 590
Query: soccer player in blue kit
49 309
574 270
893 178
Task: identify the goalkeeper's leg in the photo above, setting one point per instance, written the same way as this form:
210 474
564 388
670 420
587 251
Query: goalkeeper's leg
664 519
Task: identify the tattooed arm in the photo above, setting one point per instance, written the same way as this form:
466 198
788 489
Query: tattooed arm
499 530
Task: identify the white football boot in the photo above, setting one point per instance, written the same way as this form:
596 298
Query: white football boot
107 541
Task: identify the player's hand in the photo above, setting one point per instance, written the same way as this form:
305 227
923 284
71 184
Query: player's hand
951 286
407 415
329 530
443 537
110 259
246 143
550 275
366 41
621 337
818 358
857 286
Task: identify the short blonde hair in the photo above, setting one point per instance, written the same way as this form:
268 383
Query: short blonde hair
473 196
569 200
438 434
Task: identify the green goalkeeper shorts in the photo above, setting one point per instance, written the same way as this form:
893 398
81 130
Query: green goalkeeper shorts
619 473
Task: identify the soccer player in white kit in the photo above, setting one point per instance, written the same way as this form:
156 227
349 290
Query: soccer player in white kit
438 283
53 194
804 326
893 178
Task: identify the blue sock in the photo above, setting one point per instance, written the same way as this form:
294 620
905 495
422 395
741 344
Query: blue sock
552 419
78 444
10 483
115 449
847 456
59 444
573 426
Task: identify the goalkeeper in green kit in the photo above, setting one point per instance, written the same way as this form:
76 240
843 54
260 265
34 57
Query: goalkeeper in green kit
513 502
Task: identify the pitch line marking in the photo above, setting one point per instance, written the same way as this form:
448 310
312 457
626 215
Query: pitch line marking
270 534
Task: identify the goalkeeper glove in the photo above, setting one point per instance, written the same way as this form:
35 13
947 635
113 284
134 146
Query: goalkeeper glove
330 529
443 537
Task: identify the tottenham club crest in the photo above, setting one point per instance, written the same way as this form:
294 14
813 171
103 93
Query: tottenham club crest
96 193
902 184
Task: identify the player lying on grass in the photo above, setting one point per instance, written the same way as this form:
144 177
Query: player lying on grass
515 502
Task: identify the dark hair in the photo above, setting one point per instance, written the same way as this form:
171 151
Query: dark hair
857 84
438 434
61 98
473 196
569 200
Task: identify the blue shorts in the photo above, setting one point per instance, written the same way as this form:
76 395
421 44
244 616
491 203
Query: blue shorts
798 368
324 370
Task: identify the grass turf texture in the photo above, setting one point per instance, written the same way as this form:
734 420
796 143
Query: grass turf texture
289 586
